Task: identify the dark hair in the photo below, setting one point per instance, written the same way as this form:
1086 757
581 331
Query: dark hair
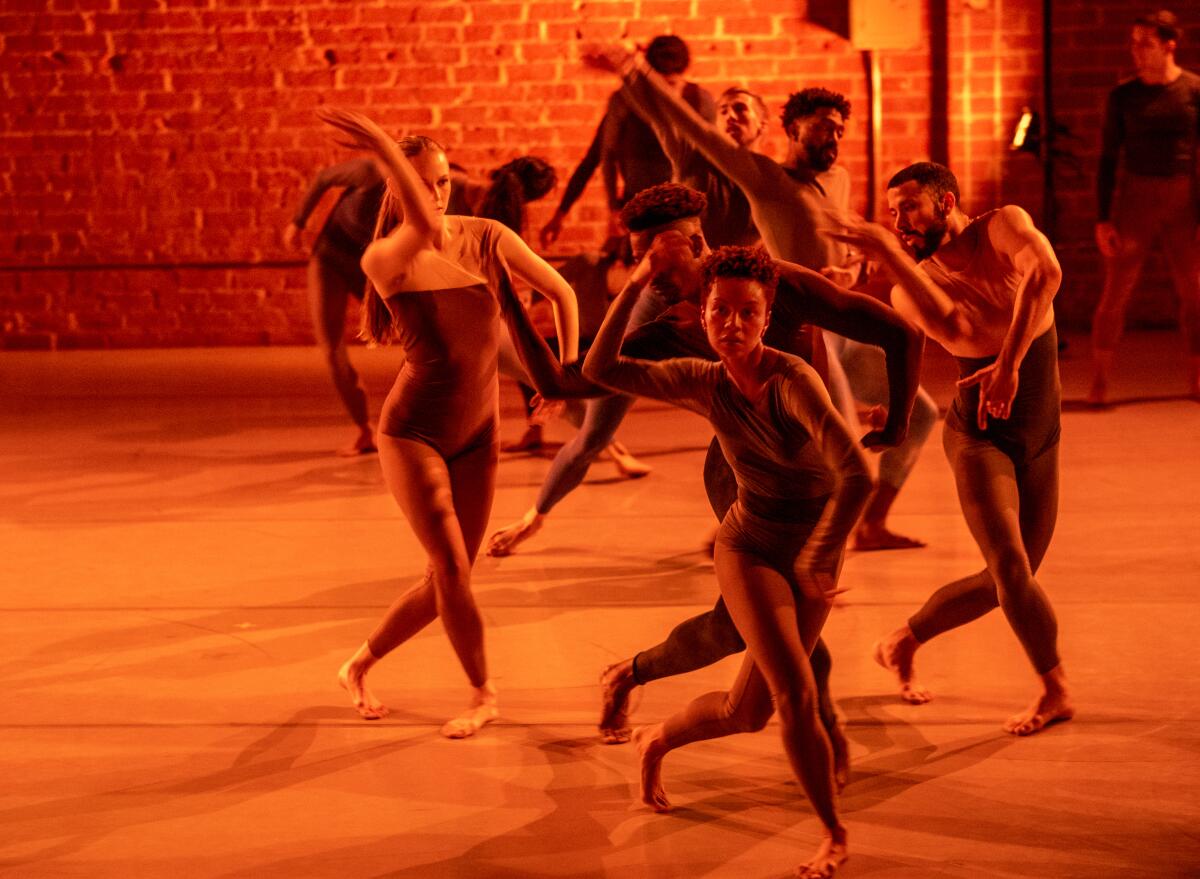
514 184
376 319
938 179
668 54
809 101
751 263
1165 24
758 102
664 203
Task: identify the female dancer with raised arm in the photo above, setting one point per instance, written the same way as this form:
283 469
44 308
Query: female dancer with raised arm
432 278
779 550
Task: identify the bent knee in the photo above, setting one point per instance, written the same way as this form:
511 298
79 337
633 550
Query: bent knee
750 718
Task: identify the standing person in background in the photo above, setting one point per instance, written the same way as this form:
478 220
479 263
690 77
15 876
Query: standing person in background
334 276
1151 133
624 146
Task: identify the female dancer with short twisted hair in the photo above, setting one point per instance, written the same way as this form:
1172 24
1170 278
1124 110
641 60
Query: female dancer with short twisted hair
432 287
779 550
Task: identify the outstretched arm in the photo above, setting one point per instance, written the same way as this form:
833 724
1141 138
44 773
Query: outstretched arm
356 172
737 163
1014 237
920 299
869 321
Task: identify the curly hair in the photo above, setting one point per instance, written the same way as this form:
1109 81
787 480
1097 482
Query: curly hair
751 263
514 184
809 101
661 204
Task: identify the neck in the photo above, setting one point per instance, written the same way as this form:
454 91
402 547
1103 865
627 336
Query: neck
955 223
1168 73
746 371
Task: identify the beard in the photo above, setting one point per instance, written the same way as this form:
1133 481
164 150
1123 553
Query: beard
931 238
821 157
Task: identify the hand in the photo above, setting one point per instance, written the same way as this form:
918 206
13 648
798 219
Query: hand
551 230
883 435
1107 239
291 233
607 57
997 390
674 268
362 132
843 276
871 238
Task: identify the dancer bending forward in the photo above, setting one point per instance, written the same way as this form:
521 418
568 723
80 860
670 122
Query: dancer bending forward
779 550
432 279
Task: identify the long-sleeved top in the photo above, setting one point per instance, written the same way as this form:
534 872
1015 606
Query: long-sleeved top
785 203
351 221
625 147
1149 130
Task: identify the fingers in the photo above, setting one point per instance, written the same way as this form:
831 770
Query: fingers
972 379
981 415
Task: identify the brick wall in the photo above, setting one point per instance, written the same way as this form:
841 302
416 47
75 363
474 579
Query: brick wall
153 151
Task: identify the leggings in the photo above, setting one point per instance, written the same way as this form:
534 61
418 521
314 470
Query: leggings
1011 510
333 277
711 636
780 616
1150 209
447 502
602 416
859 372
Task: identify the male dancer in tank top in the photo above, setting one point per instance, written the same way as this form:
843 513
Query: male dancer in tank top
984 289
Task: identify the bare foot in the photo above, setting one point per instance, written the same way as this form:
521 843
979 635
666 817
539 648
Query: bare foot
875 536
363 444
1049 708
616 683
530 440
627 465
504 541
895 653
841 754
831 854
646 739
352 678
484 709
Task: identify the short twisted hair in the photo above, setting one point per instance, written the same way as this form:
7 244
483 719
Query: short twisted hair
809 101
668 54
751 263
936 179
664 203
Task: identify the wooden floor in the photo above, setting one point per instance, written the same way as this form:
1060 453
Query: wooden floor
185 566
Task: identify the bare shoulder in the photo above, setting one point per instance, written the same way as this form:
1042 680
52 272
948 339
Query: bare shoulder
1011 228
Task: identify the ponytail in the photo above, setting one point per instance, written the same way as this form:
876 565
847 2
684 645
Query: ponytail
377 324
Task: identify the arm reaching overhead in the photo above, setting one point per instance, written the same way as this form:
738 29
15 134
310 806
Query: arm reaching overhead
386 260
739 164
1013 236
865 320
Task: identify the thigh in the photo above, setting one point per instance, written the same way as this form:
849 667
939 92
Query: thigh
1037 484
473 486
761 603
328 295
987 492
419 479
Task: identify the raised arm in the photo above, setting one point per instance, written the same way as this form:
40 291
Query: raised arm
864 319
643 100
740 165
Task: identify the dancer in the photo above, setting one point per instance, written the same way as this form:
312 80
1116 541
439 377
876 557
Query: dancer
802 483
984 289
624 147
334 276
804 299
723 161
1152 130
437 438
